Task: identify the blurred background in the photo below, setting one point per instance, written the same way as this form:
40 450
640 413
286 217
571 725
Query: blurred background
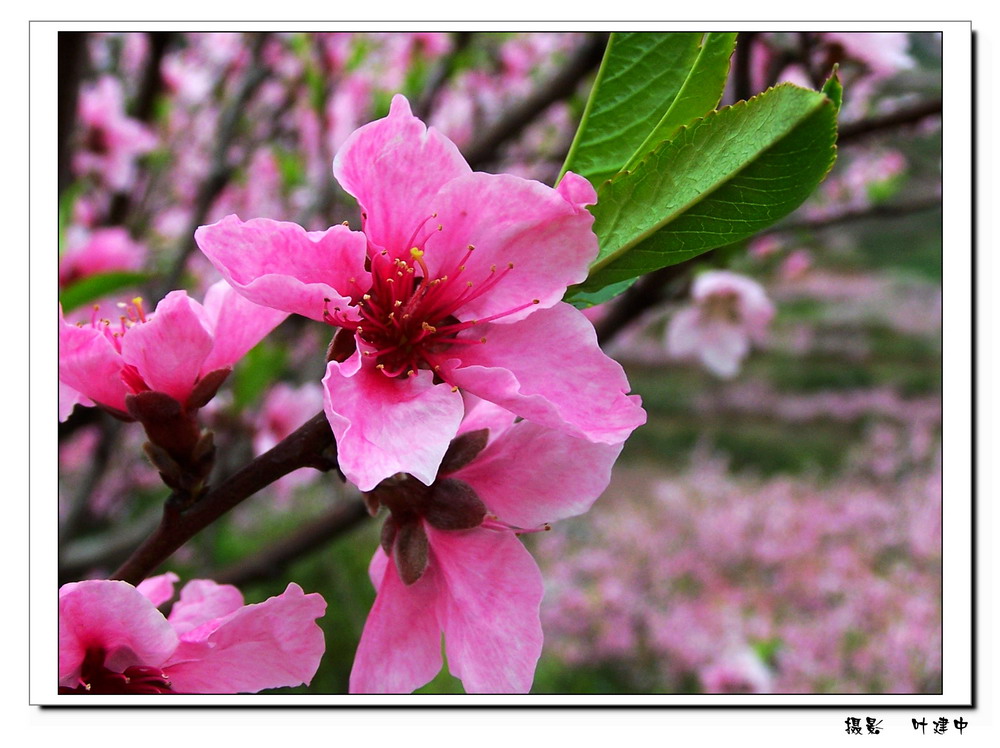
774 528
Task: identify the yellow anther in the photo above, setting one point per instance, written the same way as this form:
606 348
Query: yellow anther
397 303
454 389
471 247
416 254
367 297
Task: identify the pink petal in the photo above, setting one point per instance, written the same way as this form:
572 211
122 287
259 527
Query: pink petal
515 221
112 616
158 589
492 632
400 647
394 166
549 369
171 347
482 414
272 644
203 600
237 325
723 347
69 399
684 333
89 364
577 190
283 266
385 426
531 474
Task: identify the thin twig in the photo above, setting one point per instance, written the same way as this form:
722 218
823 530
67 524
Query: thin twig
562 85
907 116
142 110
318 532
442 72
79 508
898 210
221 171
73 64
311 445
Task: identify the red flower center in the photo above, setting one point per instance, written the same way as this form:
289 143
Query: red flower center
95 678
408 317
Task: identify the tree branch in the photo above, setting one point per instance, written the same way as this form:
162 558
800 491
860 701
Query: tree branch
220 172
561 86
311 445
317 533
908 116
898 210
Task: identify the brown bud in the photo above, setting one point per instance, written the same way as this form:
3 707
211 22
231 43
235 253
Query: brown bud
453 505
206 388
152 406
371 502
410 551
463 449
389 530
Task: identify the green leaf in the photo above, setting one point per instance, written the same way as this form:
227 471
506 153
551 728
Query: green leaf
700 93
720 180
94 287
833 89
648 83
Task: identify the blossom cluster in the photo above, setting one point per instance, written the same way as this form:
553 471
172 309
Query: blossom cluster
448 326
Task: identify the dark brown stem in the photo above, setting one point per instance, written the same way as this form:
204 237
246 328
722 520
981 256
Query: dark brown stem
741 65
562 85
317 533
142 110
221 171
72 66
311 445
442 72
646 293
911 115
875 212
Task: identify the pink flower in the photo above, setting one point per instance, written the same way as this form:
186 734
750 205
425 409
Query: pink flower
457 566
729 312
113 640
101 251
739 671
795 265
171 350
112 141
455 284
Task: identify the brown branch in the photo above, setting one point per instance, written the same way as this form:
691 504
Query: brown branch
898 210
646 293
311 445
911 115
561 86
442 72
317 533
142 109
221 171
72 66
